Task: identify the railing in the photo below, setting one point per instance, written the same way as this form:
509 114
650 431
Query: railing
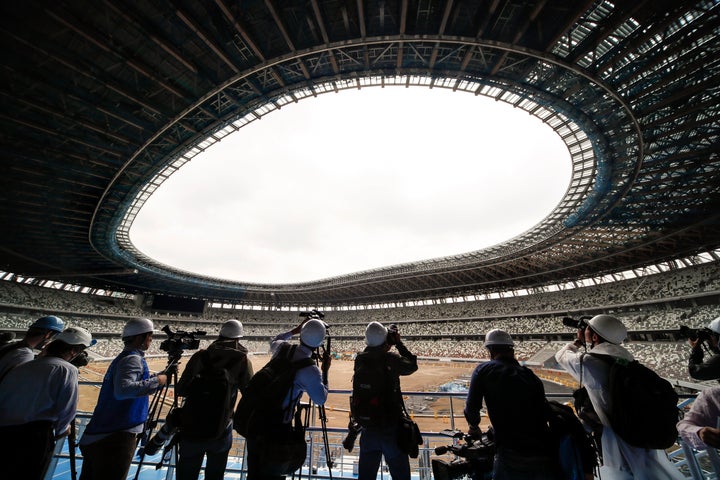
698 465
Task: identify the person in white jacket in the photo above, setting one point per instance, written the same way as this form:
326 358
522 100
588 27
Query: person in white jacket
603 335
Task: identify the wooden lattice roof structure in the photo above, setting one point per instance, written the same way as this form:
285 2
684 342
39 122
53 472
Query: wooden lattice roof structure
102 100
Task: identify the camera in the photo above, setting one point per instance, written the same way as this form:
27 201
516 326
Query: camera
392 333
81 360
473 459
580 323
313 314
353 431
166 433
180 340
702 334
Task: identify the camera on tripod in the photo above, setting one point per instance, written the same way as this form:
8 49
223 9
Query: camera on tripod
702 334
180 340
473 458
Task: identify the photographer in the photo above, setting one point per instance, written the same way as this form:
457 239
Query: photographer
379 435
603 335
698 367
224 353
42 331
308 379
110 438
515 401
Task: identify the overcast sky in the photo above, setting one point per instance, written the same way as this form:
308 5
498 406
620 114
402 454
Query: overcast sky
356 180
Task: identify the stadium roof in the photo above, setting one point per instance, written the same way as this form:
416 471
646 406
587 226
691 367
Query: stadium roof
103 100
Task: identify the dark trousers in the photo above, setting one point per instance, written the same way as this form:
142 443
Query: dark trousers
376 443
191 454
253 461
27 450
109 458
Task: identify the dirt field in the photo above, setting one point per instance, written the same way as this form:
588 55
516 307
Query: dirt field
431 412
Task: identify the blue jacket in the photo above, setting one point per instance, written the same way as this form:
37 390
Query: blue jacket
113 413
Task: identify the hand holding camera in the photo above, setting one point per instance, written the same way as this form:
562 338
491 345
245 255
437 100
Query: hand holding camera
393 337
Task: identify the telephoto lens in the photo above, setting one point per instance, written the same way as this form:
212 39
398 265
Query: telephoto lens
157 441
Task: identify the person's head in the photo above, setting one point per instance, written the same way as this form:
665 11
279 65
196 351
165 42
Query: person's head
499 343
375 334
232 329
137 333
605 328
70 343
714 330
43 330
312 333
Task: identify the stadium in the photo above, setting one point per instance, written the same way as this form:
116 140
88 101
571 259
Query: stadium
104 101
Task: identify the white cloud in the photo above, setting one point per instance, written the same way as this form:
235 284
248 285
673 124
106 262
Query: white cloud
356 180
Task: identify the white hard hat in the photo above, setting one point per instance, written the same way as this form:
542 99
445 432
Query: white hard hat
498 337
312 333
231 329
608 327
137 326
715 326
76 336
375 334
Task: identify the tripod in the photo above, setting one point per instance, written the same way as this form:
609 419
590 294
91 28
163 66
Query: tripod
321 408
156 405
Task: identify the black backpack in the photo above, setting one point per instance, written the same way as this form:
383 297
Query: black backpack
642 405
260 406
373 402
208 401
576 450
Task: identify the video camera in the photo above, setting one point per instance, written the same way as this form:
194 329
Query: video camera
473 459
580 323
702 334
180 340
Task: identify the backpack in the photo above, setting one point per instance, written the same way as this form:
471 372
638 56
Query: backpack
576 450
373 400
208 401
261 403
642 405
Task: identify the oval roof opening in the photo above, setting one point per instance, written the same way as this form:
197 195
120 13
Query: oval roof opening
353 181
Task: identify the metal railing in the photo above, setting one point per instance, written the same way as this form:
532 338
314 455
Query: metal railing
698 465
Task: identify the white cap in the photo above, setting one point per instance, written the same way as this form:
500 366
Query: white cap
137 326
609 328
312 333
76 336
498 337
715 326
231 329
375 334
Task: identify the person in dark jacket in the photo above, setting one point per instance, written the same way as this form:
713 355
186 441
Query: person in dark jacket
225 352
376 442
110 438
516 405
